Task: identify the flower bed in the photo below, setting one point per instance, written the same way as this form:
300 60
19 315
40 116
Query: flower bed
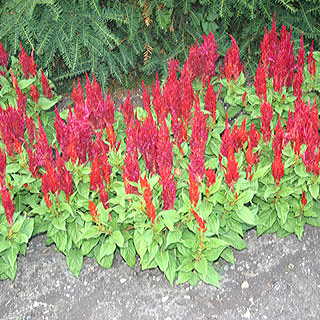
176 181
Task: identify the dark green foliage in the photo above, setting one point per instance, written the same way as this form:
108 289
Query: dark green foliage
122 39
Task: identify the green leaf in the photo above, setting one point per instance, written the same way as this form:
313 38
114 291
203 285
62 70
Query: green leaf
247 215
90 231
106 261
74 261
300 170
117 237
11 255
46 104
212 277
170 271
201 265
129 254
173 237
88 245
139 243
162 259
170 217
227 255
18 224
314 190
25 83
59 223
282 208
245 196
107 248
234 240
183 277
27 228
4 244
60 239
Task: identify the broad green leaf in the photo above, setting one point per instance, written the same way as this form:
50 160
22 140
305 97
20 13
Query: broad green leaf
27 228
261 172
173 237
212 277
282 208
234 240
4 244
45 103
247 215
90 231
88 245
300 170
213 254
25 83
245 196
117 237
170 271
59 223
140 243
107 248
216 243
314 190
162 259
106 261
11 255
227 255
74 261
129 254
170 217
18 224
201 265
183 277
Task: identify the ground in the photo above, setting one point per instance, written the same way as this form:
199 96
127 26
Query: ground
274 279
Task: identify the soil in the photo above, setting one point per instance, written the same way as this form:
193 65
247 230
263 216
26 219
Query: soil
274 279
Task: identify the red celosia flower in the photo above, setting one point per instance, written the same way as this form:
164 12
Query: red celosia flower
227 139
266 117
104 197
147 142
239 136
147 195
252 158
194 193
297 83
232 173
198 143
3 164
311 61
34 93
244 99
93 211
201 62
210 101
164 151
168 192
127 109
7 204
277 168
45 86
303 199
95 175
232 64
211 177
28 65
158 102
3 56
254 136
260 82
201 222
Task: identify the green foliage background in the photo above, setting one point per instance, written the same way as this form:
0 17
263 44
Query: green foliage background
124 39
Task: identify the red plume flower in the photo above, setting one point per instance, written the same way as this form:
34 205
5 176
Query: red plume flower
303 199
34 93
277 168
29 67
266 117
312 67
210 101
232 173
3 56
232 64
147 195
201 222
45 86
7 205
